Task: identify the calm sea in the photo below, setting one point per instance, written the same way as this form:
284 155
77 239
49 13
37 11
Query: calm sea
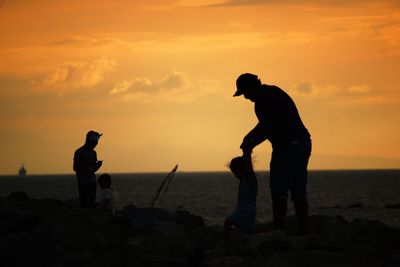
351 194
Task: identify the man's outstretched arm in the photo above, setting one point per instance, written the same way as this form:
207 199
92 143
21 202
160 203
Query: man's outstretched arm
255 137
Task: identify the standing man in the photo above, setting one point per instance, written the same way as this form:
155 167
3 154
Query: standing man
85 166
280 123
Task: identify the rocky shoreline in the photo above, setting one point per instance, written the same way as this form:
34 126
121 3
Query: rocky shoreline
50 232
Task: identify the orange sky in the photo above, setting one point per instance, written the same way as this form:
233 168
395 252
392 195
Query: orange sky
157 78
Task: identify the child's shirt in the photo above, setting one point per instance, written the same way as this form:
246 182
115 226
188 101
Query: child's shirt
107 199
247 196
244 216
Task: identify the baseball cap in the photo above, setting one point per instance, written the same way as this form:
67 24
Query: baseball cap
246 81
93 135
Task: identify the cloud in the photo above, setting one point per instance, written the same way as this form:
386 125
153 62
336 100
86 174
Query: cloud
311 89
353 94
305 88
359 89
242 38
299 2
244 2
175 87
75 75
121 87
174 81
86 41
208 42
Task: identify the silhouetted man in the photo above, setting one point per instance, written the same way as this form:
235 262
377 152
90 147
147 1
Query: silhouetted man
85 166
280 123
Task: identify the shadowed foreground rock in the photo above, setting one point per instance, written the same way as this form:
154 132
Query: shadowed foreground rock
50 232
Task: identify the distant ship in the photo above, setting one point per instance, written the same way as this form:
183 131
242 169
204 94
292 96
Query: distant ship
22 171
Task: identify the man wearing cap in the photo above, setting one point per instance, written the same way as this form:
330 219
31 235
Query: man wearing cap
279 122
85 166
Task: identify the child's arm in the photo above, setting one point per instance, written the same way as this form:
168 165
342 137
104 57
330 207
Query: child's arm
227 231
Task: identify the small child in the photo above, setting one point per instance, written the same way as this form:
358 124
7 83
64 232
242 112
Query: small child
107 195
244 216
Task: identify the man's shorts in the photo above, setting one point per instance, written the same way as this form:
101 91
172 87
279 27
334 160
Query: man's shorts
245 221
288 169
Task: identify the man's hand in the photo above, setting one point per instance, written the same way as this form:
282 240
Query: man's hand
255 137
98 164
246 147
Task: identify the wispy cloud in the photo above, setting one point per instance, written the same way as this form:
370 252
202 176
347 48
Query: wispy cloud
302 2
353 94
83 41
175 87
174 81
183 43
212 42
359 89
243 2
75 75
201 43
311 89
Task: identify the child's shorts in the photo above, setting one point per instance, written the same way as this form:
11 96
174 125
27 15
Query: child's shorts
245 221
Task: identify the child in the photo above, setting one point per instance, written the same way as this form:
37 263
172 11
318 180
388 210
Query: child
107 195
244 216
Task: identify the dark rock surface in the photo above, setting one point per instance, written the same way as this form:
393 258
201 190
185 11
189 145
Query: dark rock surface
392 206
50 232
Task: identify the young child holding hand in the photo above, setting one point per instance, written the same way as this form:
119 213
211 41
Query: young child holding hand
244 216
107 195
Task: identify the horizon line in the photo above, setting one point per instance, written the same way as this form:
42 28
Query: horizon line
201 171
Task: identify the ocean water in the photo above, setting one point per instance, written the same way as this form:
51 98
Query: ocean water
351 194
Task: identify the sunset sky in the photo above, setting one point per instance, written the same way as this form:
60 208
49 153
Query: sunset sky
157 77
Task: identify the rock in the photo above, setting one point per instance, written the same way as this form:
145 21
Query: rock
231 261
355 206
18 195
50 232
56 203
392 261
144 216
72 203
393 206
270 242
187 219
313 258
11 240
330 207
4 225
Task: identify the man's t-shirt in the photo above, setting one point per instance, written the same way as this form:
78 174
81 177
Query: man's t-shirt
85 160
277 112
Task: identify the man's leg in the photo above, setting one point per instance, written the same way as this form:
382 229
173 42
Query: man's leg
82 194
299 189
299 197
92 195
280 174
279 209
301 208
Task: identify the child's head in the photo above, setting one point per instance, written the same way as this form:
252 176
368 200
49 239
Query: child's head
241 167
104 181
